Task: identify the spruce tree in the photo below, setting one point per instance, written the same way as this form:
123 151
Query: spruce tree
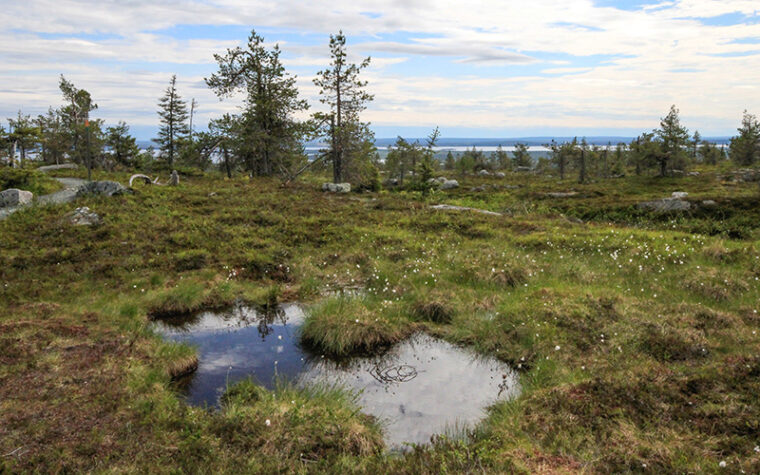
744 149
344 93
172 111
673 140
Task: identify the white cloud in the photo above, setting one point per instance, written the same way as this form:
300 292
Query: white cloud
659 55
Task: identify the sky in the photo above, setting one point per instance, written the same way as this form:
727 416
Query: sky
480 68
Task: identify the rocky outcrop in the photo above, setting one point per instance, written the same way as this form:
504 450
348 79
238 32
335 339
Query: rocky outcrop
665 205
15 197
336 187
449 185
101 188
84 217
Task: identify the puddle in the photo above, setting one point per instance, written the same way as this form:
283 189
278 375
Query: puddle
420 387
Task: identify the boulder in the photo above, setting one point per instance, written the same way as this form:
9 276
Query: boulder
15 197
709 203
484 173
336 187
665 205
676 172
449 184
84 217
693 173
561 194
102 188
500 174
679 195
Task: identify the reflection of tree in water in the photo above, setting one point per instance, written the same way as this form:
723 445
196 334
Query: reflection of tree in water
267 317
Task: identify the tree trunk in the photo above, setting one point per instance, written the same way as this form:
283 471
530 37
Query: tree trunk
582 176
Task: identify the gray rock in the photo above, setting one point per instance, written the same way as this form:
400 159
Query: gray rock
84 217
746 175
484 173
15 197
449 184
561 194
101 188
665 205
441 179
500 174
336 187
709 203
174 179
463 208
479 188
693 173
679 194
63 166
677 173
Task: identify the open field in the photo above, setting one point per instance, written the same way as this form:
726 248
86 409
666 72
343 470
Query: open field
635 334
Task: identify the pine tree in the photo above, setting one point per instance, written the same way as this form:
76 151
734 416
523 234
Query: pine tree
269 139
123 146
344 93
744 149
521 156
173 115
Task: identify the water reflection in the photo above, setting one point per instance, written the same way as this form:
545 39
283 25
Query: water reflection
420 387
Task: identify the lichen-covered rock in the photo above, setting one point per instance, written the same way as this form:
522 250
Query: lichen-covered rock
484 173
336 187
103 188
709 203
665 205
500 174
84 217
449 184
15 197
679 195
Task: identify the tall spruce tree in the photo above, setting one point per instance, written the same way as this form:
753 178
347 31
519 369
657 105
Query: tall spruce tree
270 136
744 149
344 93
674 139
172 111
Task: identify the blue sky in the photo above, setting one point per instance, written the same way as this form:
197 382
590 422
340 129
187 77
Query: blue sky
485 68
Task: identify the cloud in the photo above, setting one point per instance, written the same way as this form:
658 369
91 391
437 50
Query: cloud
484 63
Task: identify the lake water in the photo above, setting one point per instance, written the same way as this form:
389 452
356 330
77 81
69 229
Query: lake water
420 387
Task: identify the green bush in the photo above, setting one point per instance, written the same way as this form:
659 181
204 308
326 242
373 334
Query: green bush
26 179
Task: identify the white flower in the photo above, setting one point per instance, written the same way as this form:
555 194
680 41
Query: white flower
722 464
556 348
268 422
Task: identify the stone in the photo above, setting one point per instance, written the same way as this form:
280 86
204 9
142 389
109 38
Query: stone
441 179
63 166
102 188
709 203
84 217
484 173
679 195
449 185
174 178
561 194
693 173
522 169
336 187
677 173
15 197
500 175
463 208
665 205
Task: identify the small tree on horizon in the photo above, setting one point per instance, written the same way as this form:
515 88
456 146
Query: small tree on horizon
344 93
744 149
674 139
172 111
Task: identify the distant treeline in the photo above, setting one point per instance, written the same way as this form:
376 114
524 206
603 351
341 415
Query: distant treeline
266 139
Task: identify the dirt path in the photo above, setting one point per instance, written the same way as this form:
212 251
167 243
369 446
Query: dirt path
64 196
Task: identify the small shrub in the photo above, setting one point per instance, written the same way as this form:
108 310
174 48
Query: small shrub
433 311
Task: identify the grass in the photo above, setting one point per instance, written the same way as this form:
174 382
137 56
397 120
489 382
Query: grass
635 334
